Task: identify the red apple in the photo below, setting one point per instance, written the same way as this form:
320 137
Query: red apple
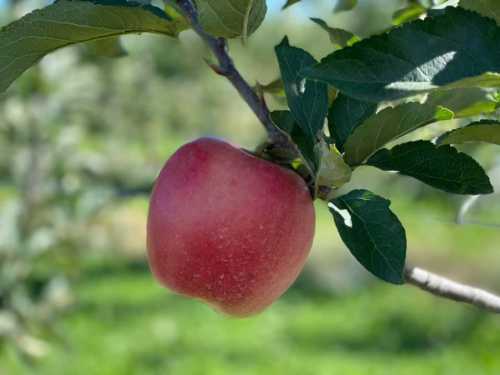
227 227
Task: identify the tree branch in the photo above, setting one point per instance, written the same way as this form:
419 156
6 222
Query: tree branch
226 68
446 288
435 284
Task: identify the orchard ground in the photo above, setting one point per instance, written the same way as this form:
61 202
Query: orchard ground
328 323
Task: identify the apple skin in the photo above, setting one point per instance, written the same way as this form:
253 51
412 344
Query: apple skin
227 227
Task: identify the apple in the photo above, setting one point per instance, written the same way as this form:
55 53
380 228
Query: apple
227 227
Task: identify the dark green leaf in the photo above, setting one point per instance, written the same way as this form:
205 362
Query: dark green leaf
417 57
286 122
487 131
488 8
24 42
392 123
345 115
442 167
339 37
372 232
308 100
344 5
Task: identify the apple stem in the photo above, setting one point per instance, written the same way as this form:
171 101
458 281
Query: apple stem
446 288
225 67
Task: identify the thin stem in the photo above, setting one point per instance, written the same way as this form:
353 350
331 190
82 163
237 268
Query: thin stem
226 68
446 288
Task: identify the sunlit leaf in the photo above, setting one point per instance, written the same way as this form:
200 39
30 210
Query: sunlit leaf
394 122
453 48
486 131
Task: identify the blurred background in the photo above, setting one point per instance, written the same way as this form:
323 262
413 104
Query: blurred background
82 138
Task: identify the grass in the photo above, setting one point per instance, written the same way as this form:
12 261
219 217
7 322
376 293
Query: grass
334 320
125 324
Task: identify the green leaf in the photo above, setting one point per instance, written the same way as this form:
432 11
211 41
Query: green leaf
487 131
486 80
325 165
417 57
488 8
442 167
344 5
345 115
443 114
231 18
385 126
275 87
333 171
180 22
286 122
25 41
407 14
372 233
391 123
308 101
339 37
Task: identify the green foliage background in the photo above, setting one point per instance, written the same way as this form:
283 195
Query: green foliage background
81 140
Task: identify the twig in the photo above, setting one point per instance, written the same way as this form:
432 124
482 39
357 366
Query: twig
226 68
443 287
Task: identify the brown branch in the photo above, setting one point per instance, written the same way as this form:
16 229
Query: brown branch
446 288
226 68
